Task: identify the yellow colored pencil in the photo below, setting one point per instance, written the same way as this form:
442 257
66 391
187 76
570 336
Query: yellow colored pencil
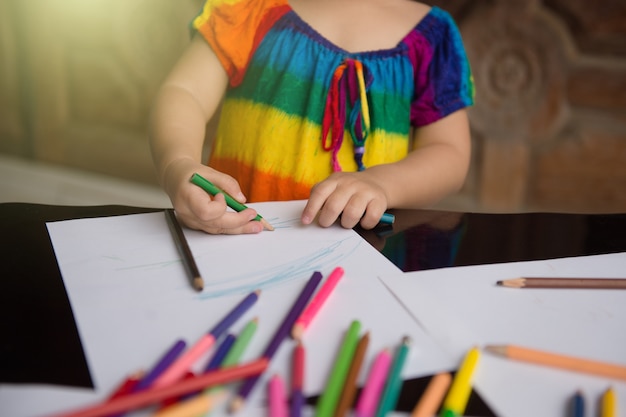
455 402
609 403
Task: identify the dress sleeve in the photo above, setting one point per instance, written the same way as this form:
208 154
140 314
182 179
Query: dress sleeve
234 28
443 79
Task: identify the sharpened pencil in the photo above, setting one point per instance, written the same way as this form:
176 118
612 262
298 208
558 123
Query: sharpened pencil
589 283
556 360
188 358
183 248
212 189
279 336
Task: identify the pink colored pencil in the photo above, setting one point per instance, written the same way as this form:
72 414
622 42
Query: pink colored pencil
277 397
368 400
316 303
297 380
180 367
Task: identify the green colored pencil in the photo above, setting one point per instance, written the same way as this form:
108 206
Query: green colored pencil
390 395
243 340
212 189
327 402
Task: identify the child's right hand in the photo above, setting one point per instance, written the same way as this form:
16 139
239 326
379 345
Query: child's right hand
199 210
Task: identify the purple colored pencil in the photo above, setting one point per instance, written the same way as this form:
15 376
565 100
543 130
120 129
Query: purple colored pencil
166 360
281 334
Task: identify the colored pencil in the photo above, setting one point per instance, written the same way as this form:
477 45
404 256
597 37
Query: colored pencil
154 395
348 394
609 403
187 359
316 303
198 405
327 403
556 360
588 283
279 336
127 386
241 343
430 400
212 189
183 248
277 397
578 405
456 400
234 354
374 385
162 364
297 380
393 385
387 218
220 353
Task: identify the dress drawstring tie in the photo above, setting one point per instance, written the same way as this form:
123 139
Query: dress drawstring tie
350 78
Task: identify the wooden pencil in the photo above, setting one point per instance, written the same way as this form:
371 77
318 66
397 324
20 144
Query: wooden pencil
609 403
556 360
212 189
183 248
430 401
348 394
277 339
589 283
154 395
297 380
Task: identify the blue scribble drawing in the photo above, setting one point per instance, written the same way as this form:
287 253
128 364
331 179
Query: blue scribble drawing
319 259
283 224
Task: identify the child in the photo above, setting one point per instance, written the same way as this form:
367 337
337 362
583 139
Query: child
356 105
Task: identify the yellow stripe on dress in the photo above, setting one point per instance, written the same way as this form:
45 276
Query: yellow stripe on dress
287 146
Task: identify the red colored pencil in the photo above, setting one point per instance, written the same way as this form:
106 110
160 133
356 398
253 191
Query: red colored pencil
156 394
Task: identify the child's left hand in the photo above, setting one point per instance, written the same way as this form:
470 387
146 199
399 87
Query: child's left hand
354 197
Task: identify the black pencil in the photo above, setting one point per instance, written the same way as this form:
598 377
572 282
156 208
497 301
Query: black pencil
181 243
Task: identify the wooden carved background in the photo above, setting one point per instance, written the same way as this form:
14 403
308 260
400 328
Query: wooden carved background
549 125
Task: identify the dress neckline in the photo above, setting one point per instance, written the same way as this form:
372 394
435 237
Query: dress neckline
377 52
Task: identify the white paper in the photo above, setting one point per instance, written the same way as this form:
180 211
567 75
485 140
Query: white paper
462 307
132 299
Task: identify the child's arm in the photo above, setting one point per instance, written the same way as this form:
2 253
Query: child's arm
435 168
185 103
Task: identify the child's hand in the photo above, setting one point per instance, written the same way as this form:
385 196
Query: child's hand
199 210
354 196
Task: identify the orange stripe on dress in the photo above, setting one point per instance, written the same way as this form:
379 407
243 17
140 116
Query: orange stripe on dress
234 43
261 186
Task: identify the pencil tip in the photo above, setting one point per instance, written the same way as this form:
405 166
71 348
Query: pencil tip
267 225
198 283
296 332
498 350
236 404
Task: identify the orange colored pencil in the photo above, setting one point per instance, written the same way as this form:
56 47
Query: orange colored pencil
431 399
556 360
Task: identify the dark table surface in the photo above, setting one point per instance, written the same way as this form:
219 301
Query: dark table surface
40 341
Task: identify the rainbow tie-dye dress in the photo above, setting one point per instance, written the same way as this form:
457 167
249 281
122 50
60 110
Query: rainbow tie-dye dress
299 107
